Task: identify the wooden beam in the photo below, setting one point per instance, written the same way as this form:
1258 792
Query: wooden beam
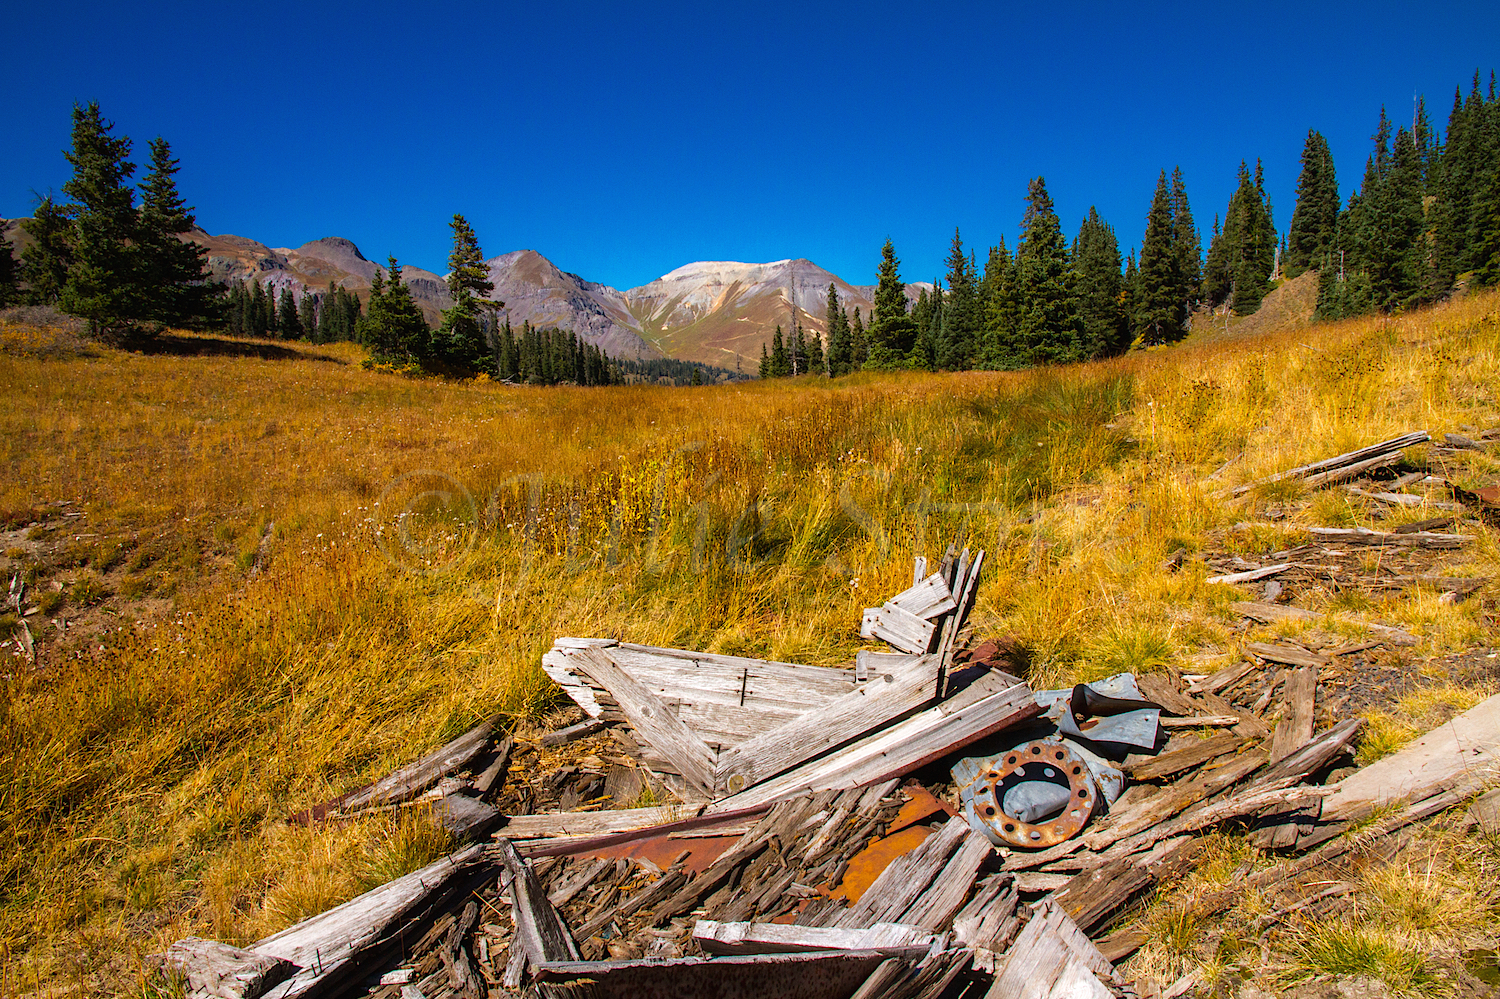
539 929
411 780
869 706
664 730
1295 728
892 939
1323 472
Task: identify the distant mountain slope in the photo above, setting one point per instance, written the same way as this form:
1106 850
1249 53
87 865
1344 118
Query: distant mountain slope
714 312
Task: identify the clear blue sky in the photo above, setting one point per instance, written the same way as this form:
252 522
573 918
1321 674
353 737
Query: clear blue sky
625 140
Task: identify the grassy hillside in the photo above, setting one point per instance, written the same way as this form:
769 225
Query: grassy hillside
276 577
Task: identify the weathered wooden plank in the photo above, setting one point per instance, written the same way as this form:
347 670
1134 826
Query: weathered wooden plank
1295 728
539 929
1226 677
892 939
411 780
327 948
1387 539
464 817
928 599
1177 760
665 731
908 877
867 707
1284 798
1467 745
1290 655
935 908
563 736
814 975
1351 463
1052 959
897 627
896 750
1200 721
1251 575
552 824
1160 808
1269 613
210 968
1161 689
868 663
967 592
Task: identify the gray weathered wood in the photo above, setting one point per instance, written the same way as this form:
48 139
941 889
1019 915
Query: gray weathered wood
464 817
1290 655
565 735
871 705
812 975
1388 539
1468 746
1052 959
927 599
1344 465
540 931
896 750
1284 798
1269 613
1295 728
893 939
210 968
1251 575
1177 760
495 773
897 627
411 780
1226 677
1200 721
578 824
935 908
648 715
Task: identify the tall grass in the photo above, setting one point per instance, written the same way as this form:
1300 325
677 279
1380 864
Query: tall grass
360 566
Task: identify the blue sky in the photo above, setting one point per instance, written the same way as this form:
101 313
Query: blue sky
623 141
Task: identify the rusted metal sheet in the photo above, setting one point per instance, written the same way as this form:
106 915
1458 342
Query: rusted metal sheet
818 975
903 834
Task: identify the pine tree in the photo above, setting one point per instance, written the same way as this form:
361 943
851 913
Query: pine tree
840 341
256 324
959 312
307 316
1000 345
798 347
1048 328
460 341
1242 255
393 328
1160 310
1185 242
102 281
45 263
1096 265
817 360
1395 244
765 361
10 292
781 364
1317 211
859 342
892 331
173 279
288 323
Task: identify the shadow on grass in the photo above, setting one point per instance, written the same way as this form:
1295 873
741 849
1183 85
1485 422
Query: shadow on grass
213 346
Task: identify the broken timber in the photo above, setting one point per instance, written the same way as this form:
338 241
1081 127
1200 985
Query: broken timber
1343 466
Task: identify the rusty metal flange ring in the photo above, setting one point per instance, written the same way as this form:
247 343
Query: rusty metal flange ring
1048 762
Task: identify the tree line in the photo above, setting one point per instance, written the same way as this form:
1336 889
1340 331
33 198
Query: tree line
1426 217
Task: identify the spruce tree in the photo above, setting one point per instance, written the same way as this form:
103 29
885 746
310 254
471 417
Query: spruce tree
960 316
892 332
781 364
256 324
1313 220
1000 347
1160 310
797 348
840 341
765 361
307 316
102 284
1185 241
460 342
288 323
173 279
1242 255
1048 327
10 291
859 342
1096 264
393 328
45 263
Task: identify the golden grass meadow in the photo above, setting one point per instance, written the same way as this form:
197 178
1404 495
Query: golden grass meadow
281 578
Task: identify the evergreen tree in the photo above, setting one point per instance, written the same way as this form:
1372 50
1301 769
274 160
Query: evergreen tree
840 340
817 361
859 342
798 347
256 324
460 341
765 361
1317 211
1185 241
892 332
1243 254
393 328
10 292
101 285
1096 266
1160 310
781 363
1048 328
45 263
174 283
1001 347
1395 243
307 317
959 312
287 321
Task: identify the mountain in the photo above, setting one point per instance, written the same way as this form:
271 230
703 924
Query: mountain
715 312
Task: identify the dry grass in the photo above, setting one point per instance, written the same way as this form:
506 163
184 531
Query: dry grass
350 567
